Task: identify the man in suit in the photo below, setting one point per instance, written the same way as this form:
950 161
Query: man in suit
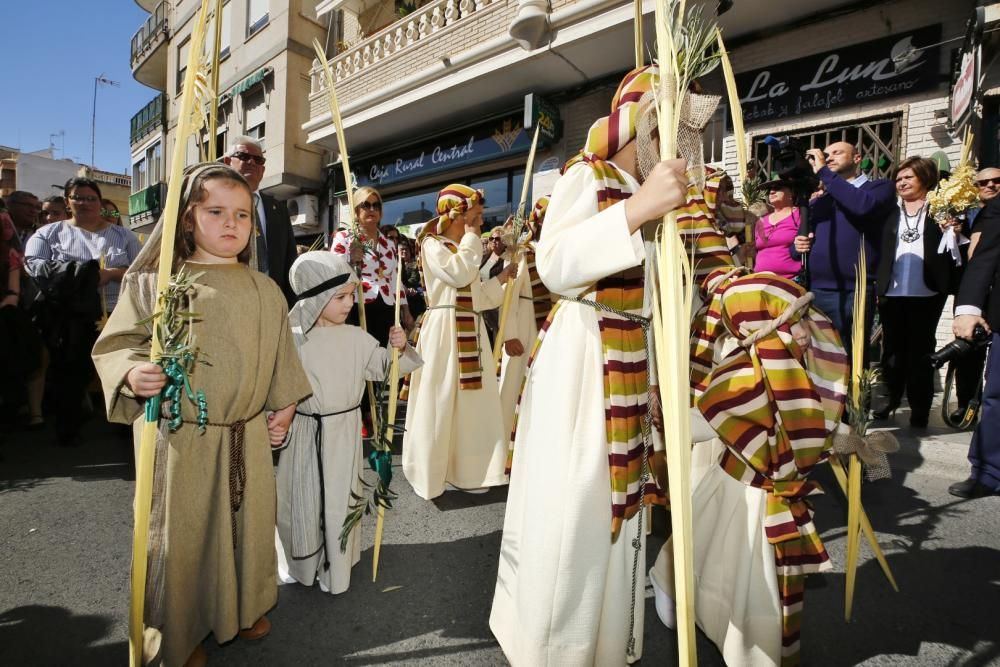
275 239
978 297
851 211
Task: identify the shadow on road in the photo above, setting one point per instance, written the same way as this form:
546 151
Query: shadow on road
43 635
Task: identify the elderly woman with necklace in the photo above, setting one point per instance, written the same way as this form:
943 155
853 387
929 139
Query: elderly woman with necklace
913 281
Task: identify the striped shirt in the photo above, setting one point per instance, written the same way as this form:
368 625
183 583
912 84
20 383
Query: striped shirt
65 242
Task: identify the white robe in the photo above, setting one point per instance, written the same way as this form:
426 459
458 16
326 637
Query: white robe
564 590
737 601
453 436
520 326
338 360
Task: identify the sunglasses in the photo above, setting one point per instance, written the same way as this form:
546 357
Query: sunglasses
371 205
81 199
249 157
988 181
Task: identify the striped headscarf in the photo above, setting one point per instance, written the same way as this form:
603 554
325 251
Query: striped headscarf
453 201
609 135
776 404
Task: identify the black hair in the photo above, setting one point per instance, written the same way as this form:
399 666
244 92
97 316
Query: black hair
80 182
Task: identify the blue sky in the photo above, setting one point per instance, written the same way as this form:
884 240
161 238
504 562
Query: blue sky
53 50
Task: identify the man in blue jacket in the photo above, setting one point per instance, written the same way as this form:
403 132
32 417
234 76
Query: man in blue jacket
851 211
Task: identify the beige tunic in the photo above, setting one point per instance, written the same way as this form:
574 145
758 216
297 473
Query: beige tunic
207 584
454 436
338 360
564 590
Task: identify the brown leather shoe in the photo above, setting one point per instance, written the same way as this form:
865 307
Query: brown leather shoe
199 657
259 630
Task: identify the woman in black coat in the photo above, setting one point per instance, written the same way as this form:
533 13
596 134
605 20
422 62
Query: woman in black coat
913 281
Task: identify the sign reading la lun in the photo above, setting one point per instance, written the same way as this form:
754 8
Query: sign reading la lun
492 140
879 69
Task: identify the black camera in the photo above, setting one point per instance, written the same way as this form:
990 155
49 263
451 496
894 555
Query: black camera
789 163
960 347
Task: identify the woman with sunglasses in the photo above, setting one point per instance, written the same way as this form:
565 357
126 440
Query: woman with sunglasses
378 259
78 265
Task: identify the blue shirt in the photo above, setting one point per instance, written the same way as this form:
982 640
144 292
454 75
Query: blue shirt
848 214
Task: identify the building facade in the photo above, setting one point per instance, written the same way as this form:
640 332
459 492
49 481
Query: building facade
264 80
41 174
435 91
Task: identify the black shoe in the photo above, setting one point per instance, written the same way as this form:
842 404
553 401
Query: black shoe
970 488
918 422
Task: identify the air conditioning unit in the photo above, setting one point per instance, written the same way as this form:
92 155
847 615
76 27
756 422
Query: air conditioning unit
303 211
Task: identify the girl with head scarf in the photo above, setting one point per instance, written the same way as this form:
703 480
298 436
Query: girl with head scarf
567 591
211 536
454 433
322 465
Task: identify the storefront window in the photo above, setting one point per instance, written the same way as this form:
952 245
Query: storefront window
501 189
410 208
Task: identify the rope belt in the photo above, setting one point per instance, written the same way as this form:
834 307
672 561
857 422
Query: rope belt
237 465
318 440
647 426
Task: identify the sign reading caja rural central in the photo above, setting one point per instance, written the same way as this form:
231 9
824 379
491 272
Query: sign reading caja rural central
493 140
879 69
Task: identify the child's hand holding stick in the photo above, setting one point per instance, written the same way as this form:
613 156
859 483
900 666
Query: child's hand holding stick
146 379
397 338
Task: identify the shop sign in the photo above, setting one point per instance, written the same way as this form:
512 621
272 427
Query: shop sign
965 80
488 141
856 74
539 112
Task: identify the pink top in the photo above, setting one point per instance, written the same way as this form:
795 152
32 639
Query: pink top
774 245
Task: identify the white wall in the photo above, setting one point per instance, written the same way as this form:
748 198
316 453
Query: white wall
43 176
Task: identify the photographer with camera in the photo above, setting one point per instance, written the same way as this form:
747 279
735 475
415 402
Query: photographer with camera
851 211
976 293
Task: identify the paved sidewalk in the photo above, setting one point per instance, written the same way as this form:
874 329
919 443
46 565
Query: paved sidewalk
65 531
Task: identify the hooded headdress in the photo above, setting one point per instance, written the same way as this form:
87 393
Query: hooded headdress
775 400
315 277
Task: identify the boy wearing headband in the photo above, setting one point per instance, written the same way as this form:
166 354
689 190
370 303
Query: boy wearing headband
322 464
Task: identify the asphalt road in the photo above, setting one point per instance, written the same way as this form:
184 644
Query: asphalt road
65 531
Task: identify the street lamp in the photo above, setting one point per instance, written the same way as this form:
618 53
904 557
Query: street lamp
93 118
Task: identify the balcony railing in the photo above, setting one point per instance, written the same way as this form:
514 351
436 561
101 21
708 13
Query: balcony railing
152 29
149 118
415 35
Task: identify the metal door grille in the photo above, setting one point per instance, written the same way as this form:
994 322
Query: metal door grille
879 141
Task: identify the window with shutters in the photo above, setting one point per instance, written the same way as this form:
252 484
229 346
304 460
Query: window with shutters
225 36
255 116
182 60
256 16
878 140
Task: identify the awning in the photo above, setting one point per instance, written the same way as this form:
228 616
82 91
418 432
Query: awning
246 84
